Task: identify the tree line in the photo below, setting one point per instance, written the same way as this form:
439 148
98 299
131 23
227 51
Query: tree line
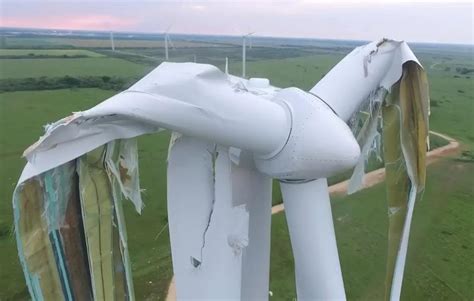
66 82
43 56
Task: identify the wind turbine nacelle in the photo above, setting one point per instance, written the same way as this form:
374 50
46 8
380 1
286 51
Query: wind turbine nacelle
320 144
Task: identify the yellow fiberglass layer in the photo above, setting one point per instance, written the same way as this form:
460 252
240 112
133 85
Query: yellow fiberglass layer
120 157
97 214
405 134
37 252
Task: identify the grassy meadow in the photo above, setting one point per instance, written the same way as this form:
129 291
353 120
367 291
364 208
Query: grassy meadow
440 264
83 42
54 67
48 52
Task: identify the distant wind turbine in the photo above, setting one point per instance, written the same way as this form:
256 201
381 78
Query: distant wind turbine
112 44
167 42
244 49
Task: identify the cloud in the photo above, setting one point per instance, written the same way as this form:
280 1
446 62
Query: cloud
418 20
105 22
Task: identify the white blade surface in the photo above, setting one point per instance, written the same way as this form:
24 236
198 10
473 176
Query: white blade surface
254 190
194 99
366 68
208 231
190 199
309 218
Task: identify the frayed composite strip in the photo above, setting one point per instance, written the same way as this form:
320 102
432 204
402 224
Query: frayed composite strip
70 226
34 247
402 117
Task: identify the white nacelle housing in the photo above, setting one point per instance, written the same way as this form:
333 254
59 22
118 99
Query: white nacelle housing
320 144
260 83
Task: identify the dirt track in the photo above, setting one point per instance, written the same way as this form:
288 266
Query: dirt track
372 178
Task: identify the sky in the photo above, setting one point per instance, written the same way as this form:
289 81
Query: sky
414 21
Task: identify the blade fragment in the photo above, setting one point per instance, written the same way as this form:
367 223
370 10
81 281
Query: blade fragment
405 134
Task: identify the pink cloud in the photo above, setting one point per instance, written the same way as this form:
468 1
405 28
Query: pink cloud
338 19
86 22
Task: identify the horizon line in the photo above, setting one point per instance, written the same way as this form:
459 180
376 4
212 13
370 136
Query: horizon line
232 35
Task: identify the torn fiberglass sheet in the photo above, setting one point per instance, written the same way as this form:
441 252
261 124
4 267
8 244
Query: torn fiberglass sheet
72 215
405 134
403 112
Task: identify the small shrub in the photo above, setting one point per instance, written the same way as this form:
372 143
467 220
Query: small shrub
466 156
4 231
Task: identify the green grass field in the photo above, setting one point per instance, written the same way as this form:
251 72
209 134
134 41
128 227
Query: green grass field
27 42
120 43
66 42
12 68
440 259
49 52
301 72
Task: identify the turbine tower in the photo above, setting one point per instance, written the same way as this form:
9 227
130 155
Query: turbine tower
168 42
112 44
244 50
166 46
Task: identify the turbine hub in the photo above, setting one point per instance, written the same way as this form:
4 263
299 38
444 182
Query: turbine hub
320 144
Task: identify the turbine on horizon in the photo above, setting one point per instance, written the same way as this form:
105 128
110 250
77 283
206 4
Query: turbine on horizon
226 65
168 41
112 44
244 50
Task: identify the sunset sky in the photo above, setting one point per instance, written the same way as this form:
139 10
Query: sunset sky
414 21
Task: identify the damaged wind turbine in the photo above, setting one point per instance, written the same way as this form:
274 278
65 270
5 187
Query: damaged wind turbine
231 137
